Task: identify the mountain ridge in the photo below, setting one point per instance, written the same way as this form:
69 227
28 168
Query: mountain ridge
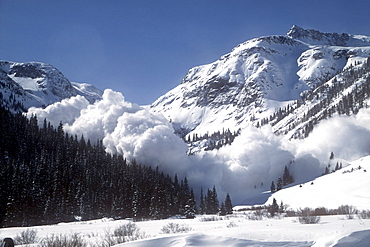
38 84
257 78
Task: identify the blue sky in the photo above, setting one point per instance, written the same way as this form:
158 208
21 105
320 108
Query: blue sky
144 48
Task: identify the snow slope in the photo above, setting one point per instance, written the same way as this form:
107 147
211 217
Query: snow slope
347 186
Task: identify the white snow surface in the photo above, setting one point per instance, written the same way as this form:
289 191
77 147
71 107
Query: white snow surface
347 186
232 231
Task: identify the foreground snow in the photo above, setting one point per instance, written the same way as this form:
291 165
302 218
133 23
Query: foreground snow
231 231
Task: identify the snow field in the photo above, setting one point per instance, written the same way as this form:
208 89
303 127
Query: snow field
347 186
235 230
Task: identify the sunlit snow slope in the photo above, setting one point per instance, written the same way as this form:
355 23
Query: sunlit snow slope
257 77
347 186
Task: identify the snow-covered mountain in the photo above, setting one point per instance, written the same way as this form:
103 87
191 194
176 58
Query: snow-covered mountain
257 78
23 85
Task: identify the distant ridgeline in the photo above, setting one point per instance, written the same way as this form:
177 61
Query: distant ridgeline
48 176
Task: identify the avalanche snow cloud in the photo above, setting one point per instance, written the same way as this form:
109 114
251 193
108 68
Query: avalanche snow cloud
243 169
124 128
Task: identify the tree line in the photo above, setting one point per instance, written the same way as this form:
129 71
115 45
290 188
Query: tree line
209 203
286 180
215 140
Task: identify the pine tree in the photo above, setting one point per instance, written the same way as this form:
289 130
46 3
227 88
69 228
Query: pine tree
222 209
282 207
190 207
215 202
279 184
272 187
211 202
331 156
326 170
184 195
287 178
202 206
158 205
228 204
274 208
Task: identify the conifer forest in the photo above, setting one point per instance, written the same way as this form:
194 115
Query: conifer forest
48 176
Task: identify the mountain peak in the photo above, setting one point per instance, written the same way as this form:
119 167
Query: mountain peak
296 32
38 84
313 36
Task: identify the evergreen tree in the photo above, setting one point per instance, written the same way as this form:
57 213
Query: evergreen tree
211 201
158 205
274 208
228 204
279 184
184 196
222 209
331 156
202 206
208 202
326 170
287 178
281 208
272 187
215 202
190 207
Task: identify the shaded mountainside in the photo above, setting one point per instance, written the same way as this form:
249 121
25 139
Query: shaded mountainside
23 85
263 77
